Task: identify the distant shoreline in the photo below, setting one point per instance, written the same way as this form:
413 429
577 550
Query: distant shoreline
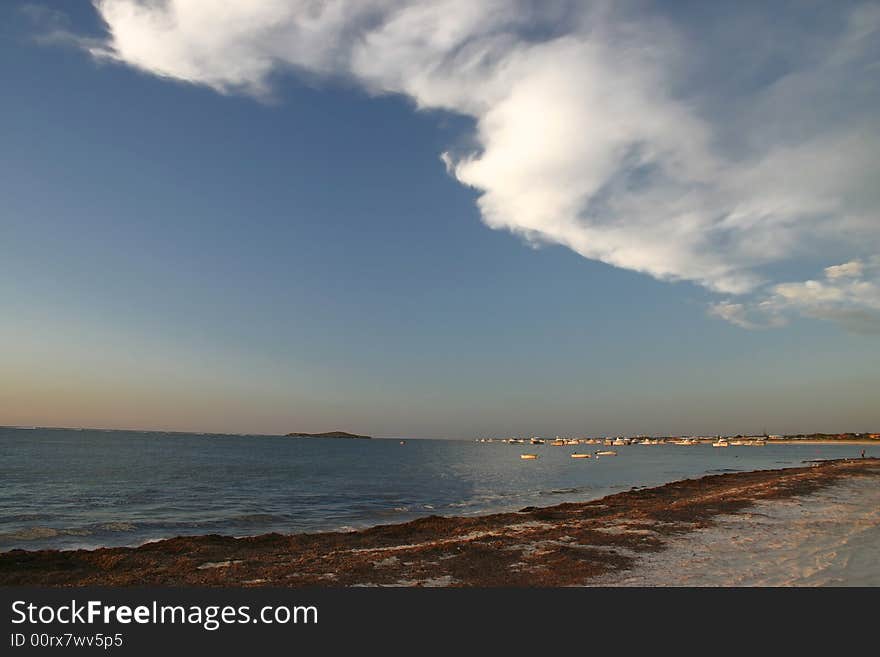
563 545
851 438
829 441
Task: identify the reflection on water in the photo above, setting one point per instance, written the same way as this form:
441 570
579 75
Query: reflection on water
66 489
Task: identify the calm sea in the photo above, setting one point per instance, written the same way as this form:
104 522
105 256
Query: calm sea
84 488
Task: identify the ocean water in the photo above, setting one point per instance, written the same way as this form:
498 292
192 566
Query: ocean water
67 489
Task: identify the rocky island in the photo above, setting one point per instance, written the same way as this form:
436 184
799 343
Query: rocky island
328 434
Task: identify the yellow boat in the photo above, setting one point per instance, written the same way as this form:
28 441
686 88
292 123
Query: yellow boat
527 457
581 456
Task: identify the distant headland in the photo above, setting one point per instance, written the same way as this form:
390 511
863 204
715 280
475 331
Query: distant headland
328 434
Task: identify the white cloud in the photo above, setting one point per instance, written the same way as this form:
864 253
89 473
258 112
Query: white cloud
761 315
852 269
612 129
848 295
735 313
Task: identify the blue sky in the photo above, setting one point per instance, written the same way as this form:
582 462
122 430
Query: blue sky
183 254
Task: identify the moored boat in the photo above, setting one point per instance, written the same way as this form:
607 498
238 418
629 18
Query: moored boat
528 457
578 455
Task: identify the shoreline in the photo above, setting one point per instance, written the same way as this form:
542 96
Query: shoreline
797 441
562 545
828 538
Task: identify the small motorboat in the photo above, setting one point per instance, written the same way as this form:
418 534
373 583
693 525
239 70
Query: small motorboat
721 443
578 455
606 452
528 457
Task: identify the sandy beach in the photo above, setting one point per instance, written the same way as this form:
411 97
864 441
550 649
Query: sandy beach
828 538
637 537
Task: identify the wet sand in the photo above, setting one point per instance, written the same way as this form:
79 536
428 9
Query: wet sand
635 537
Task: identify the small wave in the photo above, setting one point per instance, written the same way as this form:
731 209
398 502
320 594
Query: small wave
26 517
117 527
32 533
37 533
560 491
256 518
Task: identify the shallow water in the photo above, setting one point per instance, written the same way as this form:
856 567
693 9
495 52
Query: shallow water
69 488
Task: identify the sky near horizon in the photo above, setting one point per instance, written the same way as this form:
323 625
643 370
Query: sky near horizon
440 219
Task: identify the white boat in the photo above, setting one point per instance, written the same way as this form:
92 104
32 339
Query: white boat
578 455
721 443
606 452
536 441
528 457
619 441
558 442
